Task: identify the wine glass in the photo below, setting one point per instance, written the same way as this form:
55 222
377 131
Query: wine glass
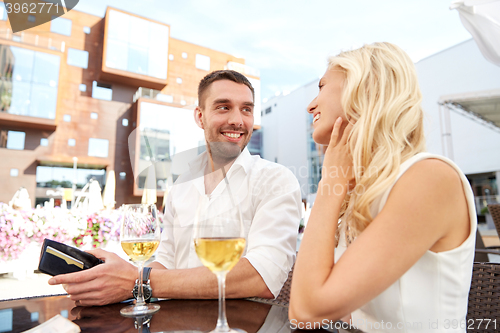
219 242
140 236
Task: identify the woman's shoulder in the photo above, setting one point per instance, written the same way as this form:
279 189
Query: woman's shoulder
433 171
432 195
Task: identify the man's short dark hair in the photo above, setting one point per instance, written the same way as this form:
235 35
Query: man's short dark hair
226 74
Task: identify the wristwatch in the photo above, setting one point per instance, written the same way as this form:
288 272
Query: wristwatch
146 287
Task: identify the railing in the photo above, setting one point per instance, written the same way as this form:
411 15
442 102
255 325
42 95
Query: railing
146 92
154 94
33 39
483 201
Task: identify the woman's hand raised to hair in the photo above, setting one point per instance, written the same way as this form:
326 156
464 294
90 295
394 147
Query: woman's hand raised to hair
338 171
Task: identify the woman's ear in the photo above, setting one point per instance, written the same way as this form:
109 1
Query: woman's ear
198 117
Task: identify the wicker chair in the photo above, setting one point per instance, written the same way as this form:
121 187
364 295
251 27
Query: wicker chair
482 252
494 210
283 298
484 297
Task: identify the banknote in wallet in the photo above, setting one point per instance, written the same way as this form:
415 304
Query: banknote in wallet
58 258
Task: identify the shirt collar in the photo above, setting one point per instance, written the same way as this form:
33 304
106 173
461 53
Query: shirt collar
244 160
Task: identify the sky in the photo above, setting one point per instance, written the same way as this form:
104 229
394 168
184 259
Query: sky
289 41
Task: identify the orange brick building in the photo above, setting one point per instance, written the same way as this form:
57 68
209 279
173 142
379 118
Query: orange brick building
76 87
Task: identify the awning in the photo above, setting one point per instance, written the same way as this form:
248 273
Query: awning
482 106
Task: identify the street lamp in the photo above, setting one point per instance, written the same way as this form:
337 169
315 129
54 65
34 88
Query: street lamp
75 160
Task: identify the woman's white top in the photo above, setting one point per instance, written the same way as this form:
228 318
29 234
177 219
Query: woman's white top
432 295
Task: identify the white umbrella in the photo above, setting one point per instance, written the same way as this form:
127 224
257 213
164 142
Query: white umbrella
108 196
482 19
149 193
94 198
21 199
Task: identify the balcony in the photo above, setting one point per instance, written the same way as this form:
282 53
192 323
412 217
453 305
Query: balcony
31 39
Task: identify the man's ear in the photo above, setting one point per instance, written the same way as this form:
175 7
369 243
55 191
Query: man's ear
198 117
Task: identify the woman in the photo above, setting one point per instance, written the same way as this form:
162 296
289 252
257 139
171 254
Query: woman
400 258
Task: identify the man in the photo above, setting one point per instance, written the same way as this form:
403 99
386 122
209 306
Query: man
269 202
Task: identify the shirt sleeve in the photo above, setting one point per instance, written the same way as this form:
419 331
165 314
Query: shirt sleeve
272 238
166 249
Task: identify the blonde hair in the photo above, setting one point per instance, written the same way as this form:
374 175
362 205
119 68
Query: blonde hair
381 97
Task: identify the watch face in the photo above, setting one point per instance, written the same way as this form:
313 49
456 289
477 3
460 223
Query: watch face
146 290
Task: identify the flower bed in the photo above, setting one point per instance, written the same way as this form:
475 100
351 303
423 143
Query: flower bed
84 230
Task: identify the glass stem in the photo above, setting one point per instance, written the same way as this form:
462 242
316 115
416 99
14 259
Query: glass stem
140 293
222 325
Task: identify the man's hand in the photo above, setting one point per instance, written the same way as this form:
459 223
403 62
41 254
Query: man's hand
107 283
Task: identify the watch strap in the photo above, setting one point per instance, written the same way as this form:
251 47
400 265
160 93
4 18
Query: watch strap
145 274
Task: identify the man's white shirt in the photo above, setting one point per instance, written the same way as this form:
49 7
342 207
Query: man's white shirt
270 203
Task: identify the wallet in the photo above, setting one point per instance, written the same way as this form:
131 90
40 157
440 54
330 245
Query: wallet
58 258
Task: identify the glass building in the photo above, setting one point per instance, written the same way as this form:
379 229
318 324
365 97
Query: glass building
66 104
29 81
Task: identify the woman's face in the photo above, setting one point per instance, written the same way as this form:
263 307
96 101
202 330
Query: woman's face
326 107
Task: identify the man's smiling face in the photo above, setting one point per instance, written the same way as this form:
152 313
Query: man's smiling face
226 116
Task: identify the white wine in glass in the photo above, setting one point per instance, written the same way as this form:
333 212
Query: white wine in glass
140 236
219 242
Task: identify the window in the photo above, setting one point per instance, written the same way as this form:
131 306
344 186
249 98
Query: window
170 57
82 87
86 30
67 118
98 147
179 80
169 131
202 62
255 144
184 55
60 25
165 98
31 18
71 142
125 122
3 12
56 177
123 175
268 110
78 58
44 142
102 91
93 115
14 172
15 140
136 45
30 80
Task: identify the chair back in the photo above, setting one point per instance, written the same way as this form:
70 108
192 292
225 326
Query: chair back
480 256
494 210
283 298
484 294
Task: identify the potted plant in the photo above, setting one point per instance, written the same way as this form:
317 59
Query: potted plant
489 218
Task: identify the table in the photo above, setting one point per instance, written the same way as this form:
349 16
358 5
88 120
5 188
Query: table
186 316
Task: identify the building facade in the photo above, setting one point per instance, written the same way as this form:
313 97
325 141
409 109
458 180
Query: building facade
287 136
461 92
76 90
